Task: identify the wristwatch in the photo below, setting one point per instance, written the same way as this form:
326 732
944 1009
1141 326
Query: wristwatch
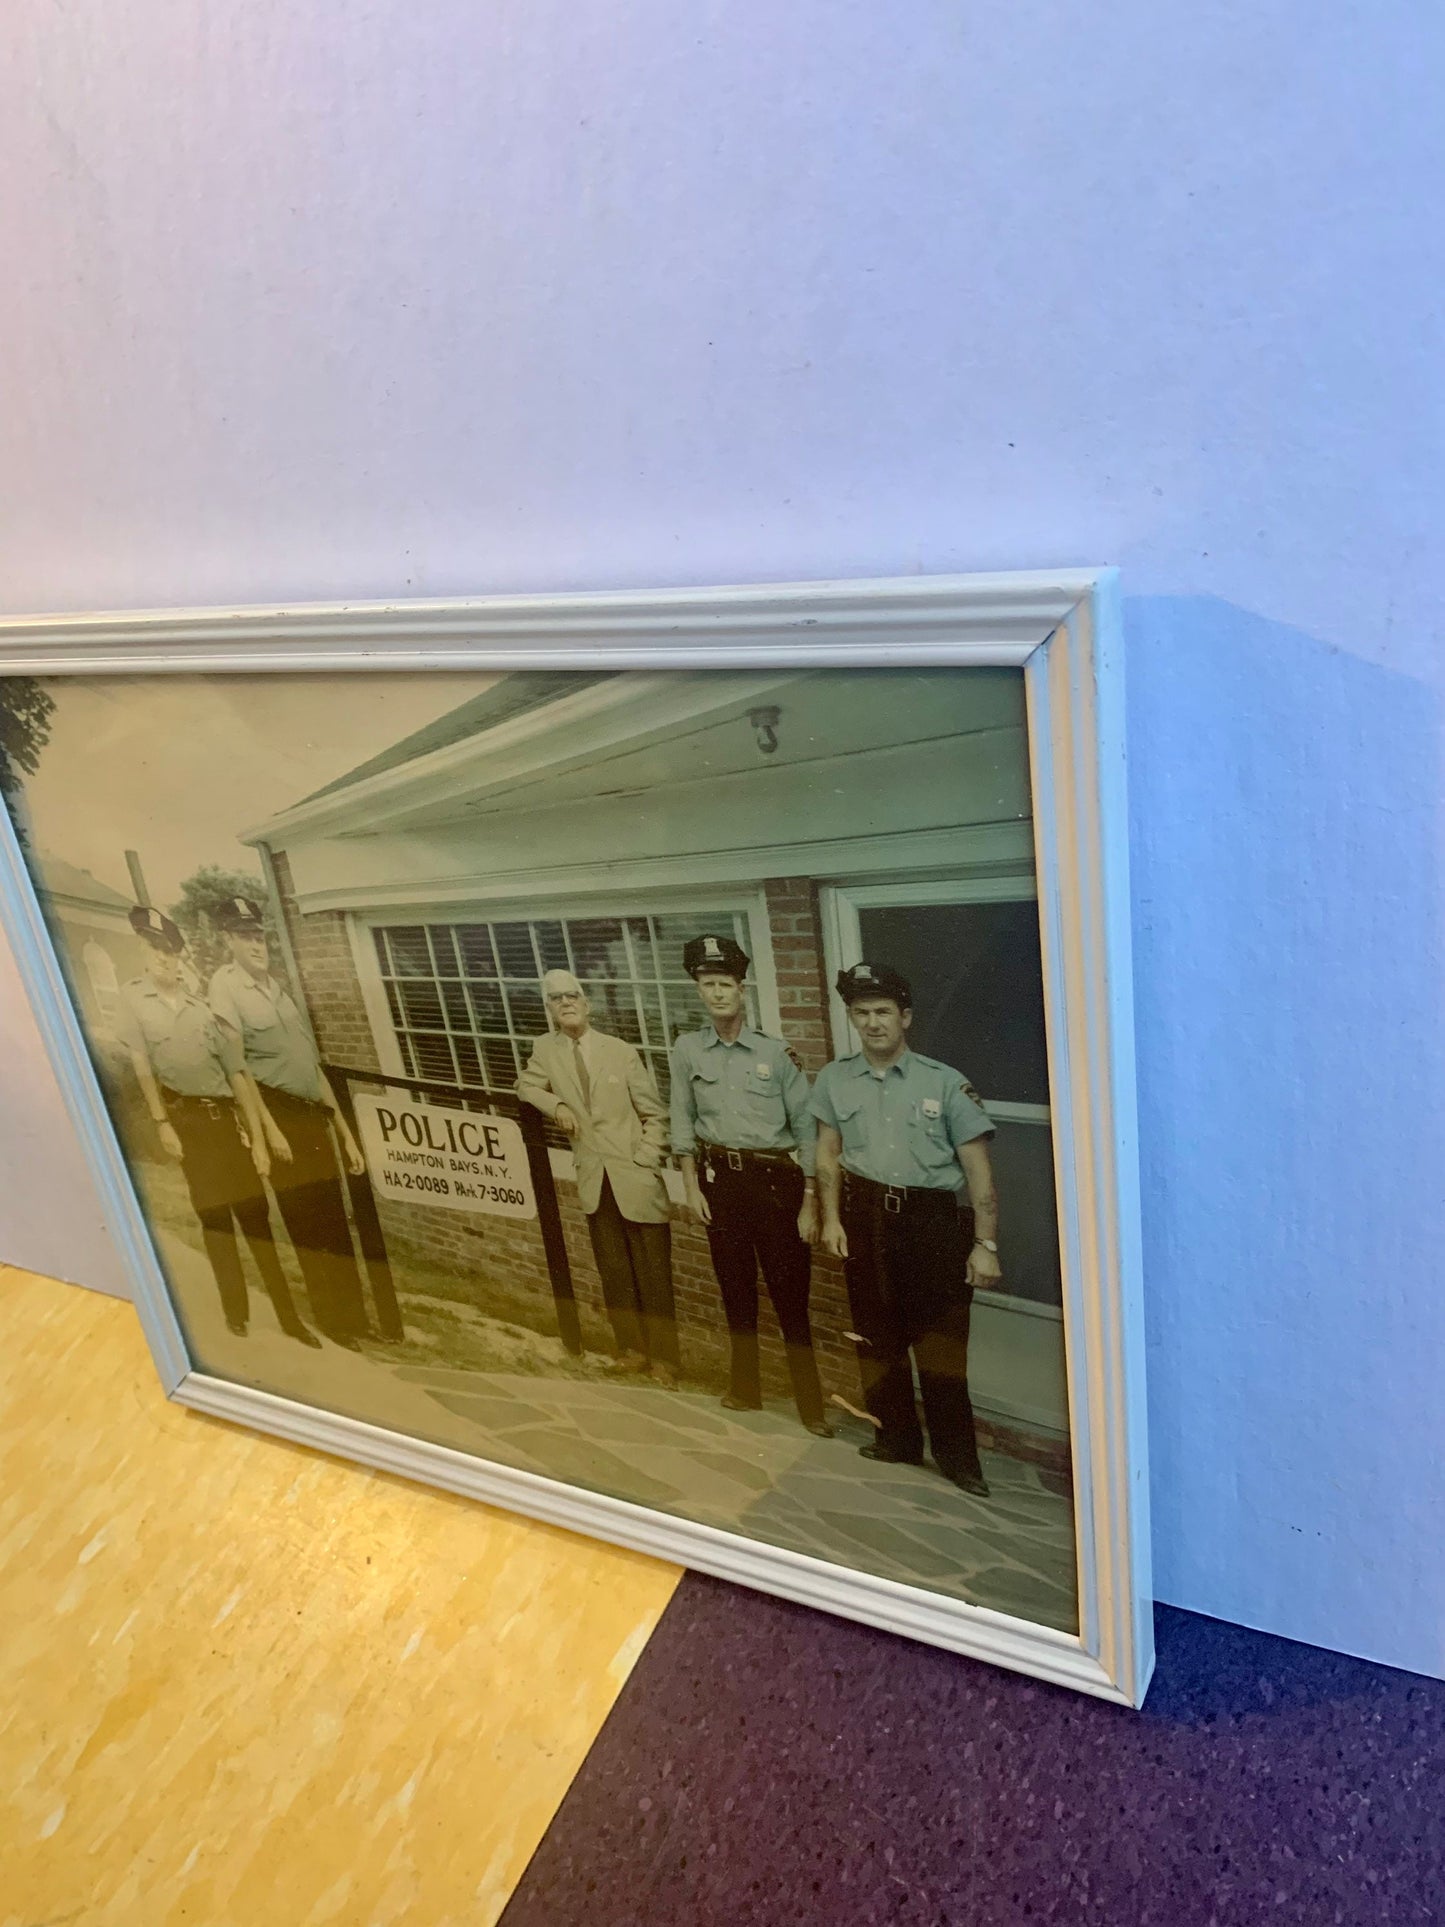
988 1245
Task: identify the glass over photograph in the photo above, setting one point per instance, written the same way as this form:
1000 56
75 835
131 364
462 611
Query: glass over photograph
638 1079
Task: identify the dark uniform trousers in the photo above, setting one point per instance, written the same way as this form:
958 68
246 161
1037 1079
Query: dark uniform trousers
225 1192
906 1272
313 1209
635 1263
754 1213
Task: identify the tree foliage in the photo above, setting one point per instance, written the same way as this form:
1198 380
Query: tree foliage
195 913
25 712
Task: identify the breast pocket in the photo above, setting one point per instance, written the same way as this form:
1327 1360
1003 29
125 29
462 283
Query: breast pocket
928 1136
156 1025
852 1126
762 1086
703 1087
260 1021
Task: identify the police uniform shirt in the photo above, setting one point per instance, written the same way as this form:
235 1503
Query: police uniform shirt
905 1126
277 1044
749 1095
187 1049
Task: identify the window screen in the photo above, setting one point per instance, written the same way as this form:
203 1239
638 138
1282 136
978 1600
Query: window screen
466 998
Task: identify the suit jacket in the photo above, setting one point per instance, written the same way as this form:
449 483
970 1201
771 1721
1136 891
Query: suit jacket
623 1131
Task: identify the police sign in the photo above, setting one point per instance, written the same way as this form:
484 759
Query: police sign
461 1160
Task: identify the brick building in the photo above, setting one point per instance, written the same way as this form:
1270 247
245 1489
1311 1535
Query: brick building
596 822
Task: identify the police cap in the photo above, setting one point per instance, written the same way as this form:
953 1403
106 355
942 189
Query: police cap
874 980
721 954
239 916
156 930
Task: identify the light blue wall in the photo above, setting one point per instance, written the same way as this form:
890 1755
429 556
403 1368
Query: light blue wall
447 298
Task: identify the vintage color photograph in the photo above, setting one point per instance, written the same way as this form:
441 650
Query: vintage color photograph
634 1078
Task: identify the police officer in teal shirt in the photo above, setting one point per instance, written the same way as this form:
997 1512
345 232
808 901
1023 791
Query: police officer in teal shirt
300 1115
906 1187
190 1075
743 1130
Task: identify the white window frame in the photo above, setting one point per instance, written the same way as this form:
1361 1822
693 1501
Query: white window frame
709 901
843 945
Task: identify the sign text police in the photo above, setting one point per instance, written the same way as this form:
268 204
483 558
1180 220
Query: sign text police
461 1160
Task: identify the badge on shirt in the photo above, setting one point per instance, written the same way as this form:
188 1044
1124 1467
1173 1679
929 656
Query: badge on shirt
971 1093
932 1107
765 1071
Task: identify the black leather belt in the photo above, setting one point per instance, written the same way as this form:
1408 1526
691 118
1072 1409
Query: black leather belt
214 1107
274 1095
898 1198
735 1160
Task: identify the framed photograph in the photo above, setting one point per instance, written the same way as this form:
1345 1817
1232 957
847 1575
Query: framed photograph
661 1063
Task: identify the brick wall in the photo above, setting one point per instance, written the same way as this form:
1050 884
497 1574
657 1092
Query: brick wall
328 977
796 927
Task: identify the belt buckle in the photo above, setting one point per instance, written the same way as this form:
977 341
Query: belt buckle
735 1160
893 1199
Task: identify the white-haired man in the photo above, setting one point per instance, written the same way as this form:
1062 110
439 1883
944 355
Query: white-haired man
600 1092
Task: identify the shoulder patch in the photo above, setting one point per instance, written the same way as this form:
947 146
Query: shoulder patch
793 1057
971 1093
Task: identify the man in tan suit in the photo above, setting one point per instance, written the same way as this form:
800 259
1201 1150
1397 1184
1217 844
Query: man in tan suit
599 1091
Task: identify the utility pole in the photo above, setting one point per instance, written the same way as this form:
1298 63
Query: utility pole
137 879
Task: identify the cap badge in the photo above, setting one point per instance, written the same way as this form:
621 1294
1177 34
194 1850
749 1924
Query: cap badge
711 947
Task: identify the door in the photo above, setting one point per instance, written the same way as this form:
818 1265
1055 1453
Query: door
978 1005
970 949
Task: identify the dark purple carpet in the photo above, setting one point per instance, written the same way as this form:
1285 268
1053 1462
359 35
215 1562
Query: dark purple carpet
767 1765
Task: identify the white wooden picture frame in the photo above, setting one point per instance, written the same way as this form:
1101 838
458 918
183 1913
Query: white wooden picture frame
1063 631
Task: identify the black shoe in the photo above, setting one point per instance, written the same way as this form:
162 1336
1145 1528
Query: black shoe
882 1456
238 1330
731 1404
967 1481
819 1427
304 1337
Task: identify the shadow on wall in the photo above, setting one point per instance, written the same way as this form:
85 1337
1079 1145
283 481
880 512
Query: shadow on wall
1211 1675
1284 800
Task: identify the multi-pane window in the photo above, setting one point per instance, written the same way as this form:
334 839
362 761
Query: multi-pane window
466 998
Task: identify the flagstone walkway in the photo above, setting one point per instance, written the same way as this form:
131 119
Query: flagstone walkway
760 1474
755 1473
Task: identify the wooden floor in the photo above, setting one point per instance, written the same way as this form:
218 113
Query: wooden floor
241 1683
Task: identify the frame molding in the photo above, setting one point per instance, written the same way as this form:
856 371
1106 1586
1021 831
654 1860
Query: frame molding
886 621
1063 629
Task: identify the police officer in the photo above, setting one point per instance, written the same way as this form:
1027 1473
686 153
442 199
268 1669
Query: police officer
298 1115
908 1203
192 1078
745 1135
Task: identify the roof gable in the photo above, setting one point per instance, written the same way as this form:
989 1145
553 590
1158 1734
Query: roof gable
513 694
63 879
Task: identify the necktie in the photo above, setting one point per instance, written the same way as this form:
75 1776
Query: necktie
584 1082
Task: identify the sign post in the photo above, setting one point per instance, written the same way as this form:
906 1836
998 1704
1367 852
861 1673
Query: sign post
368 1226
423 1148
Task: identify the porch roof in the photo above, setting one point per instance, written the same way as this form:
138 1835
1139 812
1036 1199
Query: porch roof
509 696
